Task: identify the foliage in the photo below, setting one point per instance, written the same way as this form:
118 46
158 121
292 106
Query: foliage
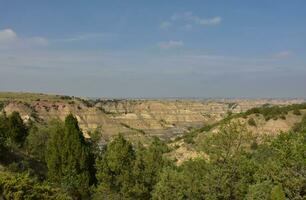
2 104
37 140
274 170
181 182
297 112
148 165
114 169
233 167
189 136
231 140
300 127
17 131
277 193
23 187
275 112
252 122
3 130
133 129
68 158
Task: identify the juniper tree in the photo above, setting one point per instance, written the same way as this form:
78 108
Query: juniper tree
68 157
114 170
3 130
17 131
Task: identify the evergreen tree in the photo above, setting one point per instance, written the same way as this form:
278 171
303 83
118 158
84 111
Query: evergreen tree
68 158
17 130
3 130
37 140
114 170
147 167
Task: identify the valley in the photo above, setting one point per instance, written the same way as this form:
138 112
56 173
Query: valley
131 117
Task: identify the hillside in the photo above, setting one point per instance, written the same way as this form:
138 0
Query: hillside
260 122
163 118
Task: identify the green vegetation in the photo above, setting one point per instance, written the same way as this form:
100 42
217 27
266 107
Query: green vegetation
267 111
55 161
300 127
252 122
17 130
275 112
297 112
133 129
22 186
27 97
234 171
68 158
1 105
126 173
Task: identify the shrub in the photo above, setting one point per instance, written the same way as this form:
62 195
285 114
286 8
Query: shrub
252 122
1 105
24 187
297 112
17 130
275 112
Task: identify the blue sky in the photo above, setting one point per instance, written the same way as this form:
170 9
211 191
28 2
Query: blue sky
173 48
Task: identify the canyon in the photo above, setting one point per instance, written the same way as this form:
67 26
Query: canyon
165 118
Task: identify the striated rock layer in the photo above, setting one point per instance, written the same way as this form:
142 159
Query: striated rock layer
164 118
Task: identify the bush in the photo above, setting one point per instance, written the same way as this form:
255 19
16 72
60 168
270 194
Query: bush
1 105
252 122
275 112
297 112
23 187
17 131
189 137
300 127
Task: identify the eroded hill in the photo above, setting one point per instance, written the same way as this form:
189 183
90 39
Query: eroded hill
163 118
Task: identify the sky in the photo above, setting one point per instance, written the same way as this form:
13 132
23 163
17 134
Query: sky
154 49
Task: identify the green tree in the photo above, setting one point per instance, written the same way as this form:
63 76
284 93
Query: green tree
282 161
252 122
259 191
17 130
68 158
232 139
230 170
114 170
184 182
172 185
147 167
23 187
37 140
3 130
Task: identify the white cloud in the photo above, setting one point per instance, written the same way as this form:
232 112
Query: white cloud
10 39
191 18
170 44
7 35
283 54
211 21
165 25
